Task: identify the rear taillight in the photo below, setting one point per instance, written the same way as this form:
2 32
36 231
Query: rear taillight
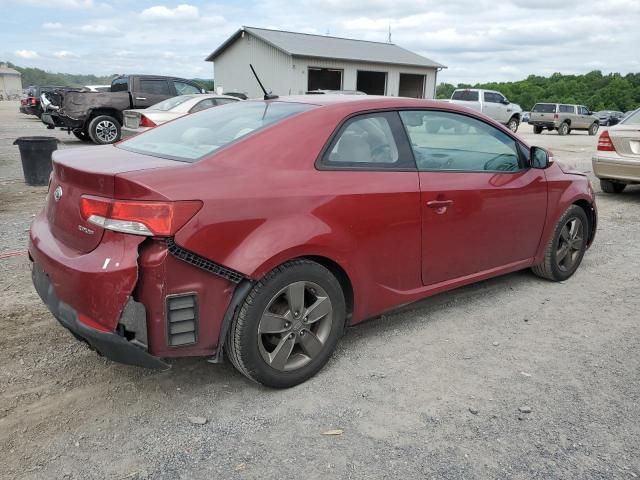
160 219
604 143
146 122
33 100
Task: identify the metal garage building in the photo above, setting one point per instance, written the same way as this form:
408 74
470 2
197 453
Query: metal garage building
292 63
10 82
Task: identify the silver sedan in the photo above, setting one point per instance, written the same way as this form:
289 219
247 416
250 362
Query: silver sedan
139 120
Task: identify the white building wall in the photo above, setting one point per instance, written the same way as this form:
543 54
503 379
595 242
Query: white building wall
286 75
10 85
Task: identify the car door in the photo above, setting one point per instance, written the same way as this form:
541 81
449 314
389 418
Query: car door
493 108
148 91
482 206
585 118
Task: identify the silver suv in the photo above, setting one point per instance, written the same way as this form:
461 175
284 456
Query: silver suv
563 118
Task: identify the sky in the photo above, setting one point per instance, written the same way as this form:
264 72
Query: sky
478 40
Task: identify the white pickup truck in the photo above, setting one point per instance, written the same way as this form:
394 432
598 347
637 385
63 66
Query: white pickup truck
493 104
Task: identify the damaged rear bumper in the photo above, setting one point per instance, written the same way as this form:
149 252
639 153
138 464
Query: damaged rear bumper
109 344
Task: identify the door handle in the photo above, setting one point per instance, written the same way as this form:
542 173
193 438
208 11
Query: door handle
439 203
141 98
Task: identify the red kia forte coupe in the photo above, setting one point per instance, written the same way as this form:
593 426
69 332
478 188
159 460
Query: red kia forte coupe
262 229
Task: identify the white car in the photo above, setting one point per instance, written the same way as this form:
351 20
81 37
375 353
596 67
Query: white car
140 120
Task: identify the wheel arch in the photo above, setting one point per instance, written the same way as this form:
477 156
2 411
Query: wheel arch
590 212
341 275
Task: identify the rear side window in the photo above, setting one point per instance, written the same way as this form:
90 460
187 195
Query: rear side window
183 88
203 105
120 85
465 95
224 101
567 109
365 141
544 108
632 119
444 141
170 103
192 137
154 87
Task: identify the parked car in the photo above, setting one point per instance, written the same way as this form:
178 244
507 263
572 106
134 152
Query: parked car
31 104
493 104
260 229
525 117
562 117
140 120
97 116
617 160
607 118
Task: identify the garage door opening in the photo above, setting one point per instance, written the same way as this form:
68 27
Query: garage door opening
411 85
372 83
324 79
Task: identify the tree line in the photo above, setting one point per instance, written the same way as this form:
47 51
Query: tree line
37 76
594 90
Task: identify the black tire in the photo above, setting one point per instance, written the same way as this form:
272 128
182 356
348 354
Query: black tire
563 129
593 129
104 130
244 344
537 130
551 268
84 136
609 186
513 124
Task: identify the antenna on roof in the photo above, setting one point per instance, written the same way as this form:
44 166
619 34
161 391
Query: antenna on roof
389 37
267 96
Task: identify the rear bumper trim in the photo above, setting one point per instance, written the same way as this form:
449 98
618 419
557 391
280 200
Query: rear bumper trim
108 344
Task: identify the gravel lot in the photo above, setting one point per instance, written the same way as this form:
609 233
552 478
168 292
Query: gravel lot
434 391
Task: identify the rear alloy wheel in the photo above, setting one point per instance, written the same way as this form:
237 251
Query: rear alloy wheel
513 124
537 130
563 129
288 326
593 129
566 248
104 130
609 186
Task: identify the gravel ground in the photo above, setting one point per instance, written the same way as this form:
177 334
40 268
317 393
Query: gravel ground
438 390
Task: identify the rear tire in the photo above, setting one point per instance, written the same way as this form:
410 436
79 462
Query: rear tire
563 254
513 124
288 326
104 130
609 186
563 129
593 129
537 130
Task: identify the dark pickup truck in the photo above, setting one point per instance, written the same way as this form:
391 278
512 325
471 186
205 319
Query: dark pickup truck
97 116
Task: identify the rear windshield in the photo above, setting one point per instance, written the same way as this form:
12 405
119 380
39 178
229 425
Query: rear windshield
466 95
544 108
194 136
170 103
633 118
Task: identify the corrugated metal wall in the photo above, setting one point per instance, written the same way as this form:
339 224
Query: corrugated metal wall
285 75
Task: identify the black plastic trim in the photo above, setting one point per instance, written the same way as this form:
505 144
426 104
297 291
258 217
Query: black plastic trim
203 263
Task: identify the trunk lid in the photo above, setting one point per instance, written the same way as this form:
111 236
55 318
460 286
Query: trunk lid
87 171
626 140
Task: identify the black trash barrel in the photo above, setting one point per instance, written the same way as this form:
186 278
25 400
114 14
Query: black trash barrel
35 153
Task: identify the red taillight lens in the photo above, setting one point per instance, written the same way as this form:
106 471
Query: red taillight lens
146 122
604 143
161 219
33 100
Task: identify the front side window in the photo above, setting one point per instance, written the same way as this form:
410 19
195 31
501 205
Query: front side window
183 88
192 137
154 87
449 141
492 97
365 141
584 111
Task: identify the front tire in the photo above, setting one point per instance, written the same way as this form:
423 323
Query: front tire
288 326
593 129
563 254
608 186
104 130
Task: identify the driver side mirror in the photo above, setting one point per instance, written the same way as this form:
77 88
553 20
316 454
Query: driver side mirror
540 158
505 102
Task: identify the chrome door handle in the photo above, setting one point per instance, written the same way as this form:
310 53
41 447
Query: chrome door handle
439 203
141 98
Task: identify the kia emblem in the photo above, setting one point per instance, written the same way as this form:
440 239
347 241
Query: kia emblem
57 193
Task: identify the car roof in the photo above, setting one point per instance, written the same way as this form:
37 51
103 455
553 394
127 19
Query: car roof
370 100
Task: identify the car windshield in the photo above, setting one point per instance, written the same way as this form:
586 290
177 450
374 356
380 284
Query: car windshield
170 103
544 108
632 119
194 136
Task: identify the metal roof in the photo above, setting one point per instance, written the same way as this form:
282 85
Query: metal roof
321 46
8 71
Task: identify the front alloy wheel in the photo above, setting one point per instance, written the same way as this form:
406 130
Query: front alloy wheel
513 125
288 326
